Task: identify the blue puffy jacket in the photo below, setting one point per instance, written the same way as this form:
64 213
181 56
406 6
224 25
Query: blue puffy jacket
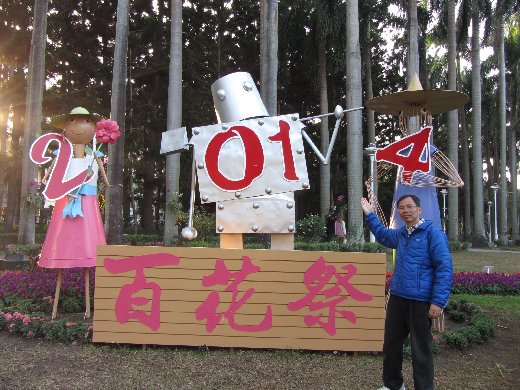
423 268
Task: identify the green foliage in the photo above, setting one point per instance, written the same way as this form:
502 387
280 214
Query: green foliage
31 250
317 246
508 304
311 227
72 304
456 246
203 221
140 239
479 326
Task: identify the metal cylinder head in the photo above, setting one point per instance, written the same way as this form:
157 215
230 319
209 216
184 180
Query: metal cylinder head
236 98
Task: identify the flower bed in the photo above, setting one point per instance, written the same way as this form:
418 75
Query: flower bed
481 283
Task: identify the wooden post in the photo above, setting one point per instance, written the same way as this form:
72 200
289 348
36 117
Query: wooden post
87 293
57 294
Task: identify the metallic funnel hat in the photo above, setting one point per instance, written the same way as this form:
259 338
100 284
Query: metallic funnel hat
435 101
236 98
60 120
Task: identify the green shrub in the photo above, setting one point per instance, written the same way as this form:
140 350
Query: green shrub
455 339
140 239
316 246
31 250
71 304
311 227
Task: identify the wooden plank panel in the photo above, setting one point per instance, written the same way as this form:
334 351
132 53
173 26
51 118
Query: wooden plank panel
280 281
302 332
286 320
179 307
240 342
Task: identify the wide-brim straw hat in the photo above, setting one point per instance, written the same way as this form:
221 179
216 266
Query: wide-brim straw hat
435 101
60 120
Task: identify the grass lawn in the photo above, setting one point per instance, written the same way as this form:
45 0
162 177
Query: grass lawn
473 261
509 304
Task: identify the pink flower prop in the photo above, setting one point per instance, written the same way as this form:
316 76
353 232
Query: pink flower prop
107 131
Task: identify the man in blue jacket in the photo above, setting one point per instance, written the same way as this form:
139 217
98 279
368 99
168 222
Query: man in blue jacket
419 290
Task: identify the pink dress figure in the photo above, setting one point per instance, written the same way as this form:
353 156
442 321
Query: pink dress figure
76 227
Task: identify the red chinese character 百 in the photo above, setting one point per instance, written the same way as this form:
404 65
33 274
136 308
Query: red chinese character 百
126 300
222 276
315 279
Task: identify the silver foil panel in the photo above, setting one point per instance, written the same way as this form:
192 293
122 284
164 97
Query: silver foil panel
232 159
173 141
263 214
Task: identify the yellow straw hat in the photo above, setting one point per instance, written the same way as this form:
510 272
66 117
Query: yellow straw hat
60 120
435 101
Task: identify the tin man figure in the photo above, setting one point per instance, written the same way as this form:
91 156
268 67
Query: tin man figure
249 164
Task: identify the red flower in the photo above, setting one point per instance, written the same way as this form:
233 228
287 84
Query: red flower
107 131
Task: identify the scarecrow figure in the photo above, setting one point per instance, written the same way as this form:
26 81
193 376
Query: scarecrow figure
76 227
250 164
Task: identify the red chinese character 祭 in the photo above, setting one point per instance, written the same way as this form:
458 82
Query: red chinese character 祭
126 300
317 276
222 276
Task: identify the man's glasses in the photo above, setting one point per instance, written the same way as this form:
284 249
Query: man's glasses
406 208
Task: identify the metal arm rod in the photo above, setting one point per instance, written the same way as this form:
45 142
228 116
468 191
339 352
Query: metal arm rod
332 141
313 147
192 189
329 114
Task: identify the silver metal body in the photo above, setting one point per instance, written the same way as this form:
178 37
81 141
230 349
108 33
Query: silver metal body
236 98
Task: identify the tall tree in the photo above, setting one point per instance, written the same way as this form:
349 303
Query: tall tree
114 221
413 41
476 125
174 117
33 119
354 125
453 123
269 58
502 202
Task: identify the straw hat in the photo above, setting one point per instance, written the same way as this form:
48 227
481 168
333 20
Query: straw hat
435 101
60 120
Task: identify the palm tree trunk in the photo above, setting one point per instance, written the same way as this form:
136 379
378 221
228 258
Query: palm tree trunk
269 86
174 119
476 123
324 127
466 175
354 126
114 221
413 42
515 236
453 125
502 227
33 118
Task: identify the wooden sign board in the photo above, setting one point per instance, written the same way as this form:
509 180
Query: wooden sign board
240 298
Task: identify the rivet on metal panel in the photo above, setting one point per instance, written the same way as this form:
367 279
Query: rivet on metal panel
290 205
196 132
225 127
238 194
290 228
299 151
260 122
200 165
247 86
221 94
256 205
294 118
204 198
254 228
305 185
221 207
268 190
220 228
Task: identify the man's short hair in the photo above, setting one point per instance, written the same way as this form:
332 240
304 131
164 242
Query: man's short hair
415 199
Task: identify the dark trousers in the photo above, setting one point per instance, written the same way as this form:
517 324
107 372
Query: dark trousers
403 317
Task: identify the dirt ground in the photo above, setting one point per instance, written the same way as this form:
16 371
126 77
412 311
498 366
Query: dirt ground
40 364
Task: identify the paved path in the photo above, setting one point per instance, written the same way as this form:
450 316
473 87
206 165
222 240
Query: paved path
491 250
